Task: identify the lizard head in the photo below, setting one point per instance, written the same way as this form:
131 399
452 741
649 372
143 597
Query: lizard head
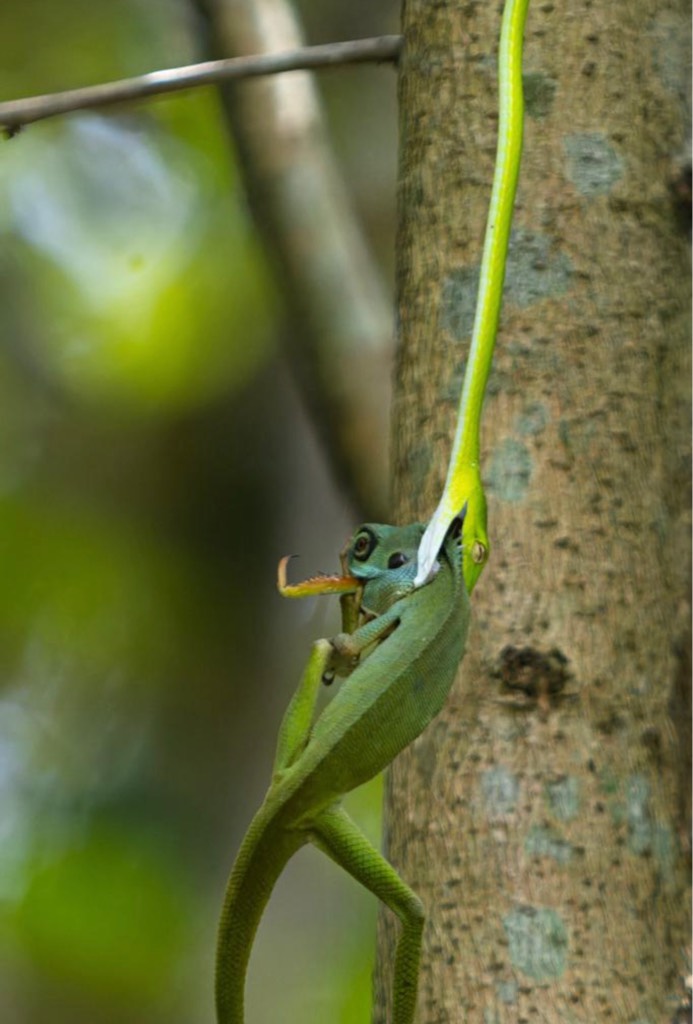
383 558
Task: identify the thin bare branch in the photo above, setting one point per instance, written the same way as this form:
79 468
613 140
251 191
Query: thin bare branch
14 114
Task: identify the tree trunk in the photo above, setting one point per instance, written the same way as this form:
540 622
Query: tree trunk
542 818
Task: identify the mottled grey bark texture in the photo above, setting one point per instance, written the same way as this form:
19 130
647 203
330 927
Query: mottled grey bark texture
542 818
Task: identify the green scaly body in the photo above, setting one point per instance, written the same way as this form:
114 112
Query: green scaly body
411 649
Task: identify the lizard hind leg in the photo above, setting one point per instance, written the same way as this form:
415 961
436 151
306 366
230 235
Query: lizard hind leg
335 834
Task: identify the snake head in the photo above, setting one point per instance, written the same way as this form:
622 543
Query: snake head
467 493
475 545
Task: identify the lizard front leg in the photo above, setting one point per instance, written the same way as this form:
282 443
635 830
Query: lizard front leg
328 658
348 647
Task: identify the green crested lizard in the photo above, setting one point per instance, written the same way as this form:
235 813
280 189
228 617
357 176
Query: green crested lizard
400 662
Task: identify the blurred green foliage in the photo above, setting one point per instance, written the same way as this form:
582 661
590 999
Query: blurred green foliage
153 467
151 290
127 920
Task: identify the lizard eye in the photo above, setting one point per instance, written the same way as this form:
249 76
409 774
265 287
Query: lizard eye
398 559
363 546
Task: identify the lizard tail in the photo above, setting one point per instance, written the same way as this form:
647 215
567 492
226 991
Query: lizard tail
261 859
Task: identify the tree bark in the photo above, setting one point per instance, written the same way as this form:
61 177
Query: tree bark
543 818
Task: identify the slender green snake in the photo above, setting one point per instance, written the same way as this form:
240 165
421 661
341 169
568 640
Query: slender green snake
463 484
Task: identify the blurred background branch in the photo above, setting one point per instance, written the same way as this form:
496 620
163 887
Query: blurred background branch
340 314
